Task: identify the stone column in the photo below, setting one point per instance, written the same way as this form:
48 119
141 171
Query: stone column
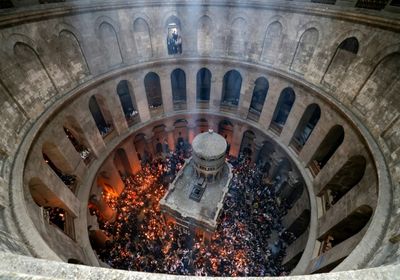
191 88
166 91
246 93
238 131
191 130
170 137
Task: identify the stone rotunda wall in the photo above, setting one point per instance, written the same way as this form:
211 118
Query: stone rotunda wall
54 59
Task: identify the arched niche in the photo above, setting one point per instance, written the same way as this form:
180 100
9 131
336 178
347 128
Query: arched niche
110 46
343 57
326 149
305 127
237 37
181 134
384 79
264 158
282 110
160 140
246 146
231 86
143 153
73 58
141 32
152 86
225 128
204 35
305 50
128 102
260 92
122 163
178 85
201 125
39 87
272 42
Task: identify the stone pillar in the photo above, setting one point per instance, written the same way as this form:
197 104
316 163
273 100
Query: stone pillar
191 130
113 104
246 94
141 100
238 131
166 91
170 137
216 91
274 91
191 88
293 120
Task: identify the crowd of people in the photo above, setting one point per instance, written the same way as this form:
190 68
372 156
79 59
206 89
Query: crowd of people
249 241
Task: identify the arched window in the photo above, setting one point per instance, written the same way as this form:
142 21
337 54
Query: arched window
231 86
282 110
57 162
174 39
203 88
344 180
344 55
130 110
305 50
153 92
326 149
306 126
178 85
122 163
260 92
105 127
